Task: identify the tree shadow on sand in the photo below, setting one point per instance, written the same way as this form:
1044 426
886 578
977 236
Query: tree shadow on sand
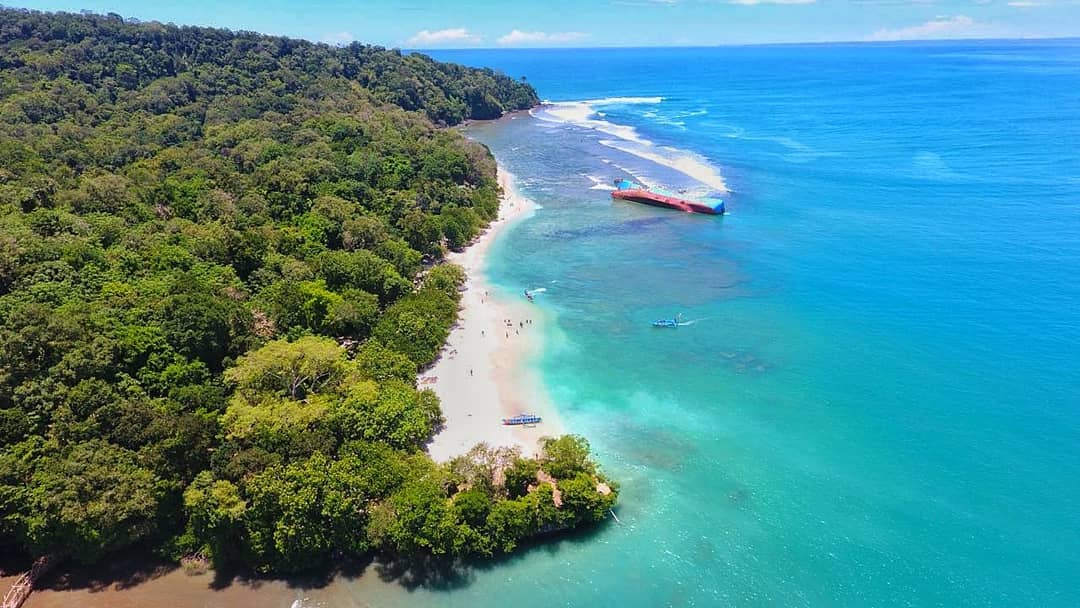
411 572
443 574
122 572
14 562
343 567
129 570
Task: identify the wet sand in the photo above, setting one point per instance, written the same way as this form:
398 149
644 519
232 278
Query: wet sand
171 587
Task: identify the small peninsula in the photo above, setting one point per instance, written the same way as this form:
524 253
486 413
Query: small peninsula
222 268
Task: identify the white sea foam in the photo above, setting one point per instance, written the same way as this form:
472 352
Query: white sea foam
677 119
599 183
687 163
798 151
637 177
585 114
582 114
621 101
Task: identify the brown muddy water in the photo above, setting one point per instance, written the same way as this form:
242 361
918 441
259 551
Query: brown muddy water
130 584
135 582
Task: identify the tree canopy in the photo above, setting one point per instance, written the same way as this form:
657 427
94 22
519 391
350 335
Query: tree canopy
219 274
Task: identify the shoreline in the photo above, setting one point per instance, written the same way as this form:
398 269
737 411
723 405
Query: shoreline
502 383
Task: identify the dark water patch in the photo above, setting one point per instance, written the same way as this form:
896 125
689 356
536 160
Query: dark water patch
626 303
745 362
635 226
656 448
739 496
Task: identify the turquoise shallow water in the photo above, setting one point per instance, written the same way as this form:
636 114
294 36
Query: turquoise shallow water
876 403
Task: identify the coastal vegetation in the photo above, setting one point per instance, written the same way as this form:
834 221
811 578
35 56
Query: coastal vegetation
219 275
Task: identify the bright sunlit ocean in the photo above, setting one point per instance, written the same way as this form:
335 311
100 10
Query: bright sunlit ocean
876 398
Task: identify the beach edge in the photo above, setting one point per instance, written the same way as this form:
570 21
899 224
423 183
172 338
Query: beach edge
485 371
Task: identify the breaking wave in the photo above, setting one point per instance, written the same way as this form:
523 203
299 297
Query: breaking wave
599 183
584 114
684 162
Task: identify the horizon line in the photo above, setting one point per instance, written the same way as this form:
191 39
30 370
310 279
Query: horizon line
721 45
403 48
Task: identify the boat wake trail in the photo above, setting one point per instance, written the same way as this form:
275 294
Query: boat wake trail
538 290
693 321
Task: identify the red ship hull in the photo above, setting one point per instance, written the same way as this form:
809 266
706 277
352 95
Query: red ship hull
660 200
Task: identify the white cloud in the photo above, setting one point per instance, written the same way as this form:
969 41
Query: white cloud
338 38
529 38
453 36
753 2
1024 4
742 2
942 26
895 2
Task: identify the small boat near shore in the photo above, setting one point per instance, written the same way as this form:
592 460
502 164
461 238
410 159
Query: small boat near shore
522 420
630 191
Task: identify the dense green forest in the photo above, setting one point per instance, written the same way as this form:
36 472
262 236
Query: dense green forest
219 275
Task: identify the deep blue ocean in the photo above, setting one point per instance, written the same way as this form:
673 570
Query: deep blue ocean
876 399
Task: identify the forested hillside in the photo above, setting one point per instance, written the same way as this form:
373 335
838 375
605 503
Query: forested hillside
216 288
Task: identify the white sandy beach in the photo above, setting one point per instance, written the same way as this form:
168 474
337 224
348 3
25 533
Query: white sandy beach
484 372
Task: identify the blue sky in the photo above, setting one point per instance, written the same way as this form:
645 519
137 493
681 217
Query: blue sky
581 23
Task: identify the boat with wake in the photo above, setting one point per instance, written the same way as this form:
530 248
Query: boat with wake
631 191
668 323
522 420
